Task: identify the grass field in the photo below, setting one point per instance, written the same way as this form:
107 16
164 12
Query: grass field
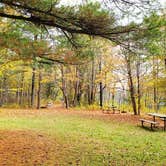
51 137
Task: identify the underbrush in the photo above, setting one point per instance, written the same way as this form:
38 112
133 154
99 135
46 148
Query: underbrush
93 107
14 106
123 107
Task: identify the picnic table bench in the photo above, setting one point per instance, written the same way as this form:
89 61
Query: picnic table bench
152 123
115 109
161 116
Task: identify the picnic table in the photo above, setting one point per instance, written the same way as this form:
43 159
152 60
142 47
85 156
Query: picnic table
161 116
114 109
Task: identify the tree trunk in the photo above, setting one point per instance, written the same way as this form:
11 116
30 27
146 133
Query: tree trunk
89 94
33 87
101 95
138 87
39 90
29 95
92 83
1 95
64 90
131 86
101 85
113 98
76 89
155 79
79 93
5 91
21 89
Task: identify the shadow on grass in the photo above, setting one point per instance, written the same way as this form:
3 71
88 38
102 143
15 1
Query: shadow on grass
155 129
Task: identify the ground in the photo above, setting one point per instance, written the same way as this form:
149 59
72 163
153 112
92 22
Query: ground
55 137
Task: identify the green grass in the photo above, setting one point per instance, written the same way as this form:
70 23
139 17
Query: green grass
95 142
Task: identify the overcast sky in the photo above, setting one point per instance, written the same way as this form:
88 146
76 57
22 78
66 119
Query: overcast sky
163 2
121 21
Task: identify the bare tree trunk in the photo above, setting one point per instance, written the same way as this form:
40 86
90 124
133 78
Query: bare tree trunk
92 83
138 86
33 80
113 94
1 94
39 90
76 89
101 95
33 87
145 101
29 95
21 89
157 89
5 92
131 86
79 93
101 85
113 98
89 94
64 90
155 79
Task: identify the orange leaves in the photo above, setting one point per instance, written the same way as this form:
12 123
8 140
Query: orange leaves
24 148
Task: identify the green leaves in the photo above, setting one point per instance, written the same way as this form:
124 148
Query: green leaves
95 19
89 18
155 33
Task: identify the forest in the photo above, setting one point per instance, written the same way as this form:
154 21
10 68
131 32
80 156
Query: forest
126 67
73 60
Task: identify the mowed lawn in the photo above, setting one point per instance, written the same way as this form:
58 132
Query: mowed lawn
58 137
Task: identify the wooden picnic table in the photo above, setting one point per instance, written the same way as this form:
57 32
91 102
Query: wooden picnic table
111 108
114 108
161 116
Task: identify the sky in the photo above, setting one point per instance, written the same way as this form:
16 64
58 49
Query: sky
137 18
163 2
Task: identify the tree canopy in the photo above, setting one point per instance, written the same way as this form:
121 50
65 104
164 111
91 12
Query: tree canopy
88 18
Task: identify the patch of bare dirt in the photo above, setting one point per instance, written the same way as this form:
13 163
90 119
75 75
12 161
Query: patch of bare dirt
58 109
98 114
121 118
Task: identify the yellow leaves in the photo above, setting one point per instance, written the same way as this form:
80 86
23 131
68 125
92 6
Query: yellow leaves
70 75
3 26
5 67
3 52
45 80
10 11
